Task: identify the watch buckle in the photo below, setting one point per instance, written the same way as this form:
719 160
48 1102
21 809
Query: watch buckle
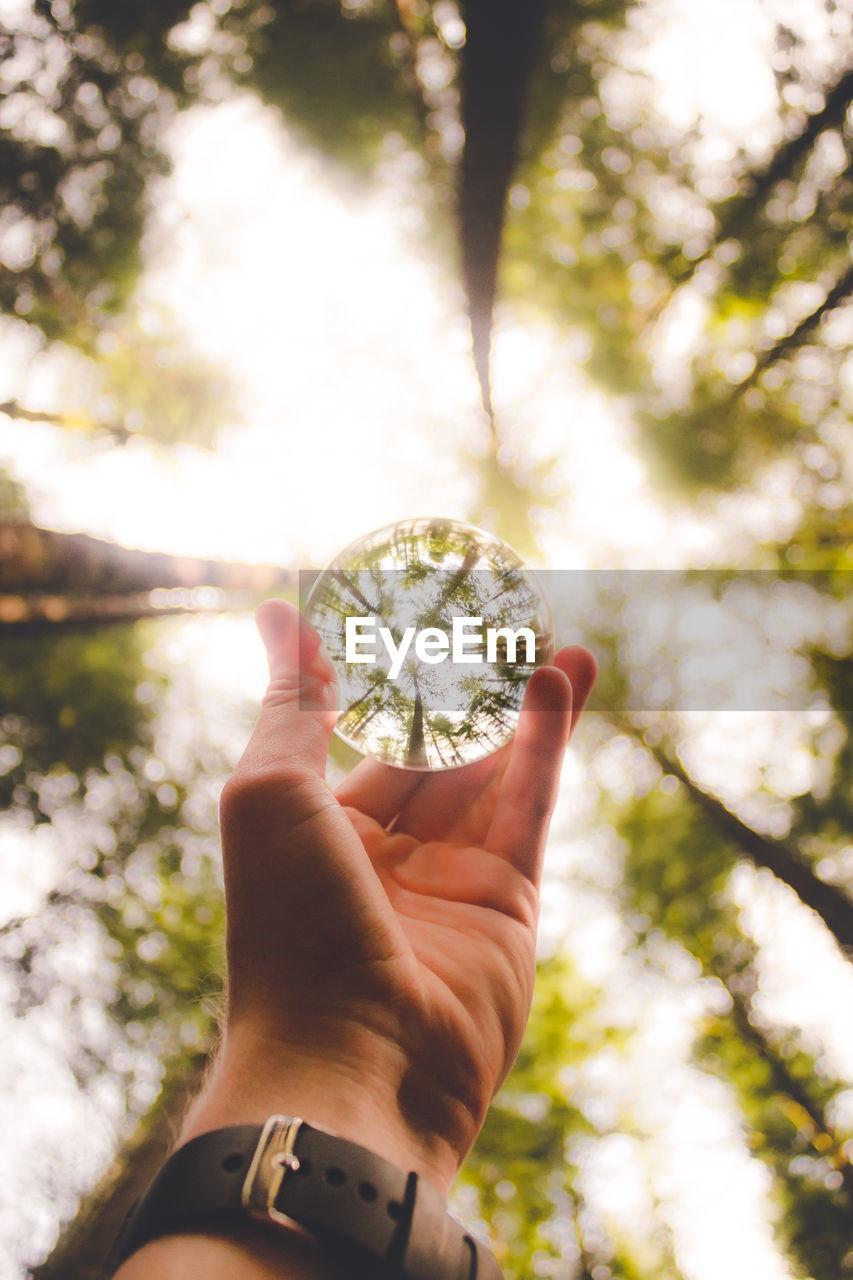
274 1158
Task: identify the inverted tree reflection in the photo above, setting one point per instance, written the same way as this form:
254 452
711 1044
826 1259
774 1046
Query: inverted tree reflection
430 574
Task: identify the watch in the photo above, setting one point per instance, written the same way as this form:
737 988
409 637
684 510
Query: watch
363 1211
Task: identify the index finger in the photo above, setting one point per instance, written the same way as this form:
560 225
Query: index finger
529 787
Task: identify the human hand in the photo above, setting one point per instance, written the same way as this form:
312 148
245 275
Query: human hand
381 939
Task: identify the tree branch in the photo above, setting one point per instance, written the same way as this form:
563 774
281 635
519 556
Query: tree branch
784 860
789 154
842 289
736 212
828 1141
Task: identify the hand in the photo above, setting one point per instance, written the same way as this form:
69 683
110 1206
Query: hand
381 939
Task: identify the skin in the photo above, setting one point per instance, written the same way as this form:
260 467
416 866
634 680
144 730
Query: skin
381 938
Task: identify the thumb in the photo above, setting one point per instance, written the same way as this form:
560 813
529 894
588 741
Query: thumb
296 873
300 705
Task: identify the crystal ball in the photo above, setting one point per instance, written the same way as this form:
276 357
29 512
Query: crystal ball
433 627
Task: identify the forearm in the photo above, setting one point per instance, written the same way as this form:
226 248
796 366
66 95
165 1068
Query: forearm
251 1255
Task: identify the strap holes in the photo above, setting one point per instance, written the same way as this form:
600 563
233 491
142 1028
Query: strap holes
395 1210
335 1176
367 1191
233 1162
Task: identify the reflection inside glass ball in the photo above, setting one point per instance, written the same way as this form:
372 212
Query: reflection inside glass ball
434 628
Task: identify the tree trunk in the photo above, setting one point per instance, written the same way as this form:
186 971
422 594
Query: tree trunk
737 213
50 580
822 1135
786 863
496 63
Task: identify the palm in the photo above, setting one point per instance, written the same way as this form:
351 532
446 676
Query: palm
469 919
458 858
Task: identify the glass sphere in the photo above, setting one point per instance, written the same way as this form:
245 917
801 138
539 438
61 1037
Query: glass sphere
434 628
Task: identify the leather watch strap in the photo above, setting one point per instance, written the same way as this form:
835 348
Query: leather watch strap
386 1224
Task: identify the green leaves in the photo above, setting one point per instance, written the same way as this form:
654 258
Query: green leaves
69 701
678 877
521 1167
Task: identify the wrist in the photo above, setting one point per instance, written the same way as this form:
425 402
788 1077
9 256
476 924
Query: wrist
347 1205
359 1094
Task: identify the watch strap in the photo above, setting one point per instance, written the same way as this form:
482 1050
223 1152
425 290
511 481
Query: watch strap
362 1209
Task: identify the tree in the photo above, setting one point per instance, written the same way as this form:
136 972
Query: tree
577 201
139 880
525 1166
681 886
63 581
620 220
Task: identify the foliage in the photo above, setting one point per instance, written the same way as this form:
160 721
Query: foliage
13 498
86 141
80 147
68 703
524 1167
619 223
616 220
679 885
83 750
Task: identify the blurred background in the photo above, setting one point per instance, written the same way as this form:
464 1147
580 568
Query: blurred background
579 271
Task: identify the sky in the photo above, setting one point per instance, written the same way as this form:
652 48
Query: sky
348 348
344 342
349 352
